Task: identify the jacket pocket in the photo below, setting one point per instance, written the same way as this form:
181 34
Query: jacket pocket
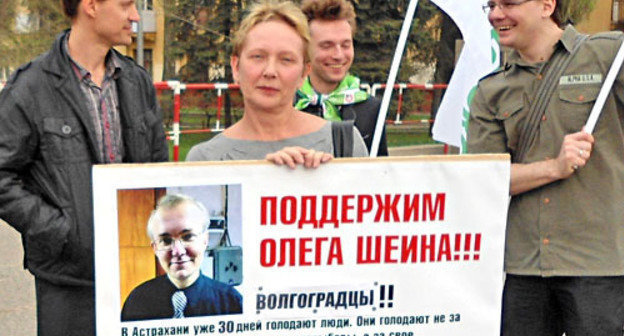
138 137
64 140
78 252
513 119
576 104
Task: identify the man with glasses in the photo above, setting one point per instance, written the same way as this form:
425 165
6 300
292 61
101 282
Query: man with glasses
178 231
564 254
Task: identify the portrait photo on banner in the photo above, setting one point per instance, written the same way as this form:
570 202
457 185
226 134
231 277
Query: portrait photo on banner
179 242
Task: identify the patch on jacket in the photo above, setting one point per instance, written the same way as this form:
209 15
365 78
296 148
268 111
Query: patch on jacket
581 79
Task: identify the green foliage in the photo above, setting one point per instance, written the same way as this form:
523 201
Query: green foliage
200 30
20 47
7 21
7 17
203 29
379 24
575 10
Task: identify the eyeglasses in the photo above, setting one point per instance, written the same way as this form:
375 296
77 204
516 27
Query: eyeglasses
503 5
166 243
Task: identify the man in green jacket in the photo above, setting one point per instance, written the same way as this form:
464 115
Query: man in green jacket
564 253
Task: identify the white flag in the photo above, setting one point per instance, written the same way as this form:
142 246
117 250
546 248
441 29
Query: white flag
479 57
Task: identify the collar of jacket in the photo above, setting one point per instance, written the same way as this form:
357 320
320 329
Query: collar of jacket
56 63
567 42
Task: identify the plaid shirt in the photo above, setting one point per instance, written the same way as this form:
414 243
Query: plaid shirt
103 105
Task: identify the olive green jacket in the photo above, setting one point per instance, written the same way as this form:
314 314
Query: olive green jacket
571 227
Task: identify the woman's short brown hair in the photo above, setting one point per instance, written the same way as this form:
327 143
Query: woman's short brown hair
273 10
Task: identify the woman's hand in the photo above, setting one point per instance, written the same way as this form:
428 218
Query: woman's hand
292 156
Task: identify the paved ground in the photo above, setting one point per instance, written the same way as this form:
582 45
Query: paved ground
17 287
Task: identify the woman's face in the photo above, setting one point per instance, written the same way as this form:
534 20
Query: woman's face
270 67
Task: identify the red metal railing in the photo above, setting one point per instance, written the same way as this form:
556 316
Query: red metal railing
177 88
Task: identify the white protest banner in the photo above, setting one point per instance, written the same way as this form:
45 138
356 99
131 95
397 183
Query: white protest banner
409 246
480 56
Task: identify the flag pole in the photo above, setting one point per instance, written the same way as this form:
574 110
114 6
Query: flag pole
394 69
604 91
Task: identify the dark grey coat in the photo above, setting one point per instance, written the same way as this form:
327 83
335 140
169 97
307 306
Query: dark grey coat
47 149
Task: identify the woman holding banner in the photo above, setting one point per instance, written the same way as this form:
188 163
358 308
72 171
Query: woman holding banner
270 61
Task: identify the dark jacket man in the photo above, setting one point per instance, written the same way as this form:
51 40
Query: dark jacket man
47 149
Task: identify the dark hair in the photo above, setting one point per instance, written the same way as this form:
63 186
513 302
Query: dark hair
557 15
330 10
70 7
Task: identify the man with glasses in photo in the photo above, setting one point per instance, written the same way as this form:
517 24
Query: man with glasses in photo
179 235
564 254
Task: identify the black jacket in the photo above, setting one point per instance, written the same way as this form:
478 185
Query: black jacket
47 149
365 116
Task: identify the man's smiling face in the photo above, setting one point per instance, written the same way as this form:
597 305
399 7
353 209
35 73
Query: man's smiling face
179 243
332 53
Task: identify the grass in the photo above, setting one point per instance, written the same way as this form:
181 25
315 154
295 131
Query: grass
410 138
187 141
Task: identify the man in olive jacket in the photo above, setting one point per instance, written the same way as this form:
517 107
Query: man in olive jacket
80 104
564 249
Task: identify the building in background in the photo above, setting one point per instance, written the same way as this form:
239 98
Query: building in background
153 16
607 15
31 32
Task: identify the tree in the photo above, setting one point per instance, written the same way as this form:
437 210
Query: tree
7 21
379 24
575 11
27 29
202 29
199 33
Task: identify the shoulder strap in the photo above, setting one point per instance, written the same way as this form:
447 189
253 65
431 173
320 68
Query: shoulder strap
558 64
342 138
